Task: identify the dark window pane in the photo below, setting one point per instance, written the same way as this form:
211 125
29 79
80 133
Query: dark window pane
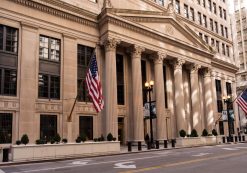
164 76
86 126
43 86
10 82
11 39
221 127
120 79
82 91
219 106
5 128
1 37
48 126
144 79
55 87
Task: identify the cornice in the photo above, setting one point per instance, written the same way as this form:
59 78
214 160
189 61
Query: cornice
62 10
224 65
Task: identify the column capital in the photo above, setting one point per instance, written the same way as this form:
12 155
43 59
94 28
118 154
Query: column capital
178 64
111 44
137 51
207 72
160 57
194 68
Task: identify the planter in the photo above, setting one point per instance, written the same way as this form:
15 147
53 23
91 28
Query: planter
52 151
198 141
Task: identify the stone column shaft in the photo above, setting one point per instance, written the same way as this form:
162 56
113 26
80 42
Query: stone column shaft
137 94
208 100
160 97
179 95
110 88
195 98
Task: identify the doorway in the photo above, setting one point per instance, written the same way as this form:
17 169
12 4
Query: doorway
121 130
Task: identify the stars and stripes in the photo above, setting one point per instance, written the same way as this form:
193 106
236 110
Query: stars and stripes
94 85
242 101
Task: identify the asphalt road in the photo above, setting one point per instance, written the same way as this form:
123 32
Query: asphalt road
227 158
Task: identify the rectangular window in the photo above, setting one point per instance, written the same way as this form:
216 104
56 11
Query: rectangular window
84 54
165 88
160 2
8 82
214 8
218 95
212 42
227 51
229 92
177 9
220 9
49 48
8 39
1 37
199 18
204 21
211 25
223 49
221 127
192 14
206 38
204 3
209 5
186 11
224 14
217 46
199 2
120 79
200 35
216 27
49 86
86 127
226 32
48 126
222 30
6 121
144 79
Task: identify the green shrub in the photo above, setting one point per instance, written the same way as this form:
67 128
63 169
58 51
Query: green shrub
214 132
25 139
182 133
95 139
83 137
205 132
56 138
65 140
114 139
52 141
194 133
18 142
99 139
109 137
102 138
78 139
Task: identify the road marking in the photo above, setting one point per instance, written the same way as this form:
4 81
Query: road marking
81 162
241 147
1 171
230 149
124 166
184 162
201 154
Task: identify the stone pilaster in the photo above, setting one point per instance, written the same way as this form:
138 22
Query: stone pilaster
160 97
195 98
137 112
110 87
179 95
208 95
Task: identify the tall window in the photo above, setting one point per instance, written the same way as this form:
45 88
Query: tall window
120 79
227 51
49 68
186 11
222 30
144 79
221 127
200 35
165 88
214 8
212 42
84 54
177 5
206 38
48 126
224 14
199 18
204 3
199 2
5 128
209 5
217 46
216 27
204 21
192 14
223 49
218 95
211 25
226 32
220 9
8 60
86 127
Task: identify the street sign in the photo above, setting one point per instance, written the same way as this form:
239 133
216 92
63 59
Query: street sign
224 115
146 110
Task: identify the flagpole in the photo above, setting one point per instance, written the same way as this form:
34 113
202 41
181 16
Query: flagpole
70 115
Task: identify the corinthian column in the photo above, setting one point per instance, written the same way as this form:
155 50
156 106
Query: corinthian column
179 95
160 97
137 94
110 95
195 98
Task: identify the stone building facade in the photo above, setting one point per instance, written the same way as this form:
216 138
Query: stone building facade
184 46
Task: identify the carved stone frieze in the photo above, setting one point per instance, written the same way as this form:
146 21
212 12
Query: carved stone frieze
88 108
9 105
137 51
48 107
111 44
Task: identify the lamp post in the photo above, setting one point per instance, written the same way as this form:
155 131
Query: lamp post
149 88
228 101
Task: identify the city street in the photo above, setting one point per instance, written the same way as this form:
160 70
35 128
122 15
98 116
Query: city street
226 158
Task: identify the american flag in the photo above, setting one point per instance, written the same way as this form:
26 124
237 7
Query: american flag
242 101
94 85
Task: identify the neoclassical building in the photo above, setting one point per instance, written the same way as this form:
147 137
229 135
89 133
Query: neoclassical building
184 46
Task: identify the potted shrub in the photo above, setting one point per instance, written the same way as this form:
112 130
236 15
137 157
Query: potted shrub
18 142
64 140
214 132
205 132
95 139
194 133
182 133
78 139
102 138
114 139
25 139
83 137
57 138
53 141
109 137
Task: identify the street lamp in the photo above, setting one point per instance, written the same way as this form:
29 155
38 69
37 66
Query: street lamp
228 101
149 88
